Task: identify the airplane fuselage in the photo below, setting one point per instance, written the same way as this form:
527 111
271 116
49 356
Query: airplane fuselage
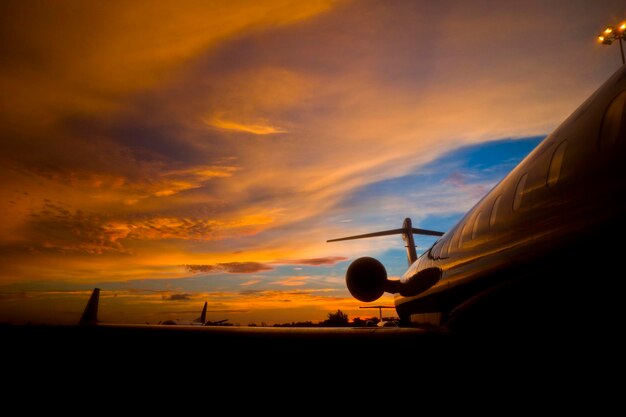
540 243
527 236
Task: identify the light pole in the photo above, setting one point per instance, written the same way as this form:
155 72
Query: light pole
611 34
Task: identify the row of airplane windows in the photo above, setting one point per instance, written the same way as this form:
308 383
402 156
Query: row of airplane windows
552 178
609 133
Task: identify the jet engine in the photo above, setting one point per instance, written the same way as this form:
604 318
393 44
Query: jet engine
366 279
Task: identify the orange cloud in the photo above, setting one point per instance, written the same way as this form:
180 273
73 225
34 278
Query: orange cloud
177 297
292 281
83 57
255 129
250 282
230 267
329 260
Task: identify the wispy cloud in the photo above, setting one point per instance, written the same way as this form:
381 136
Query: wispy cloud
254 267
329 260
244 267
250 282
177 297
230 267
63 230
12 296
292 282
255 129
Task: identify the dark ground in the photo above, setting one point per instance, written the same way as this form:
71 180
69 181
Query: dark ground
106 365
356 348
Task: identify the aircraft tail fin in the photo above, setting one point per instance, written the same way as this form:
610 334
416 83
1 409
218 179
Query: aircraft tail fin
90 315
202 318
407 231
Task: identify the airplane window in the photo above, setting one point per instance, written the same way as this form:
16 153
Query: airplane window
613 122
434 251
494 211
462 234
555 165
445 246
475 228
519 192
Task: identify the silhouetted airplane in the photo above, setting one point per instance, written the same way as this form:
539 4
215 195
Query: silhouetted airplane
542 248
382 322
217 323
197 322
90 315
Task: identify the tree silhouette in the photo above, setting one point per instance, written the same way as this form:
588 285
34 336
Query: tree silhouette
338 319
296 324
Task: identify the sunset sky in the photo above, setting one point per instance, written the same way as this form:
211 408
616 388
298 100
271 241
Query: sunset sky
176 152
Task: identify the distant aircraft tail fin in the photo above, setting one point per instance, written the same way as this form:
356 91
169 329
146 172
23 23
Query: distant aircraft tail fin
407 233
90 315
202 318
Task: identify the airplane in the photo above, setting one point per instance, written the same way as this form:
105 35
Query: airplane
200 321
217 323
382 322
541 250
90 315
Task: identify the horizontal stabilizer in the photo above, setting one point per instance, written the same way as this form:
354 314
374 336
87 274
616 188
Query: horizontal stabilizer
389 233
407 231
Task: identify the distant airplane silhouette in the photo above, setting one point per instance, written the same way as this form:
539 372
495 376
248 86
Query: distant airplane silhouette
197 322
90 315
382 322
537 250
